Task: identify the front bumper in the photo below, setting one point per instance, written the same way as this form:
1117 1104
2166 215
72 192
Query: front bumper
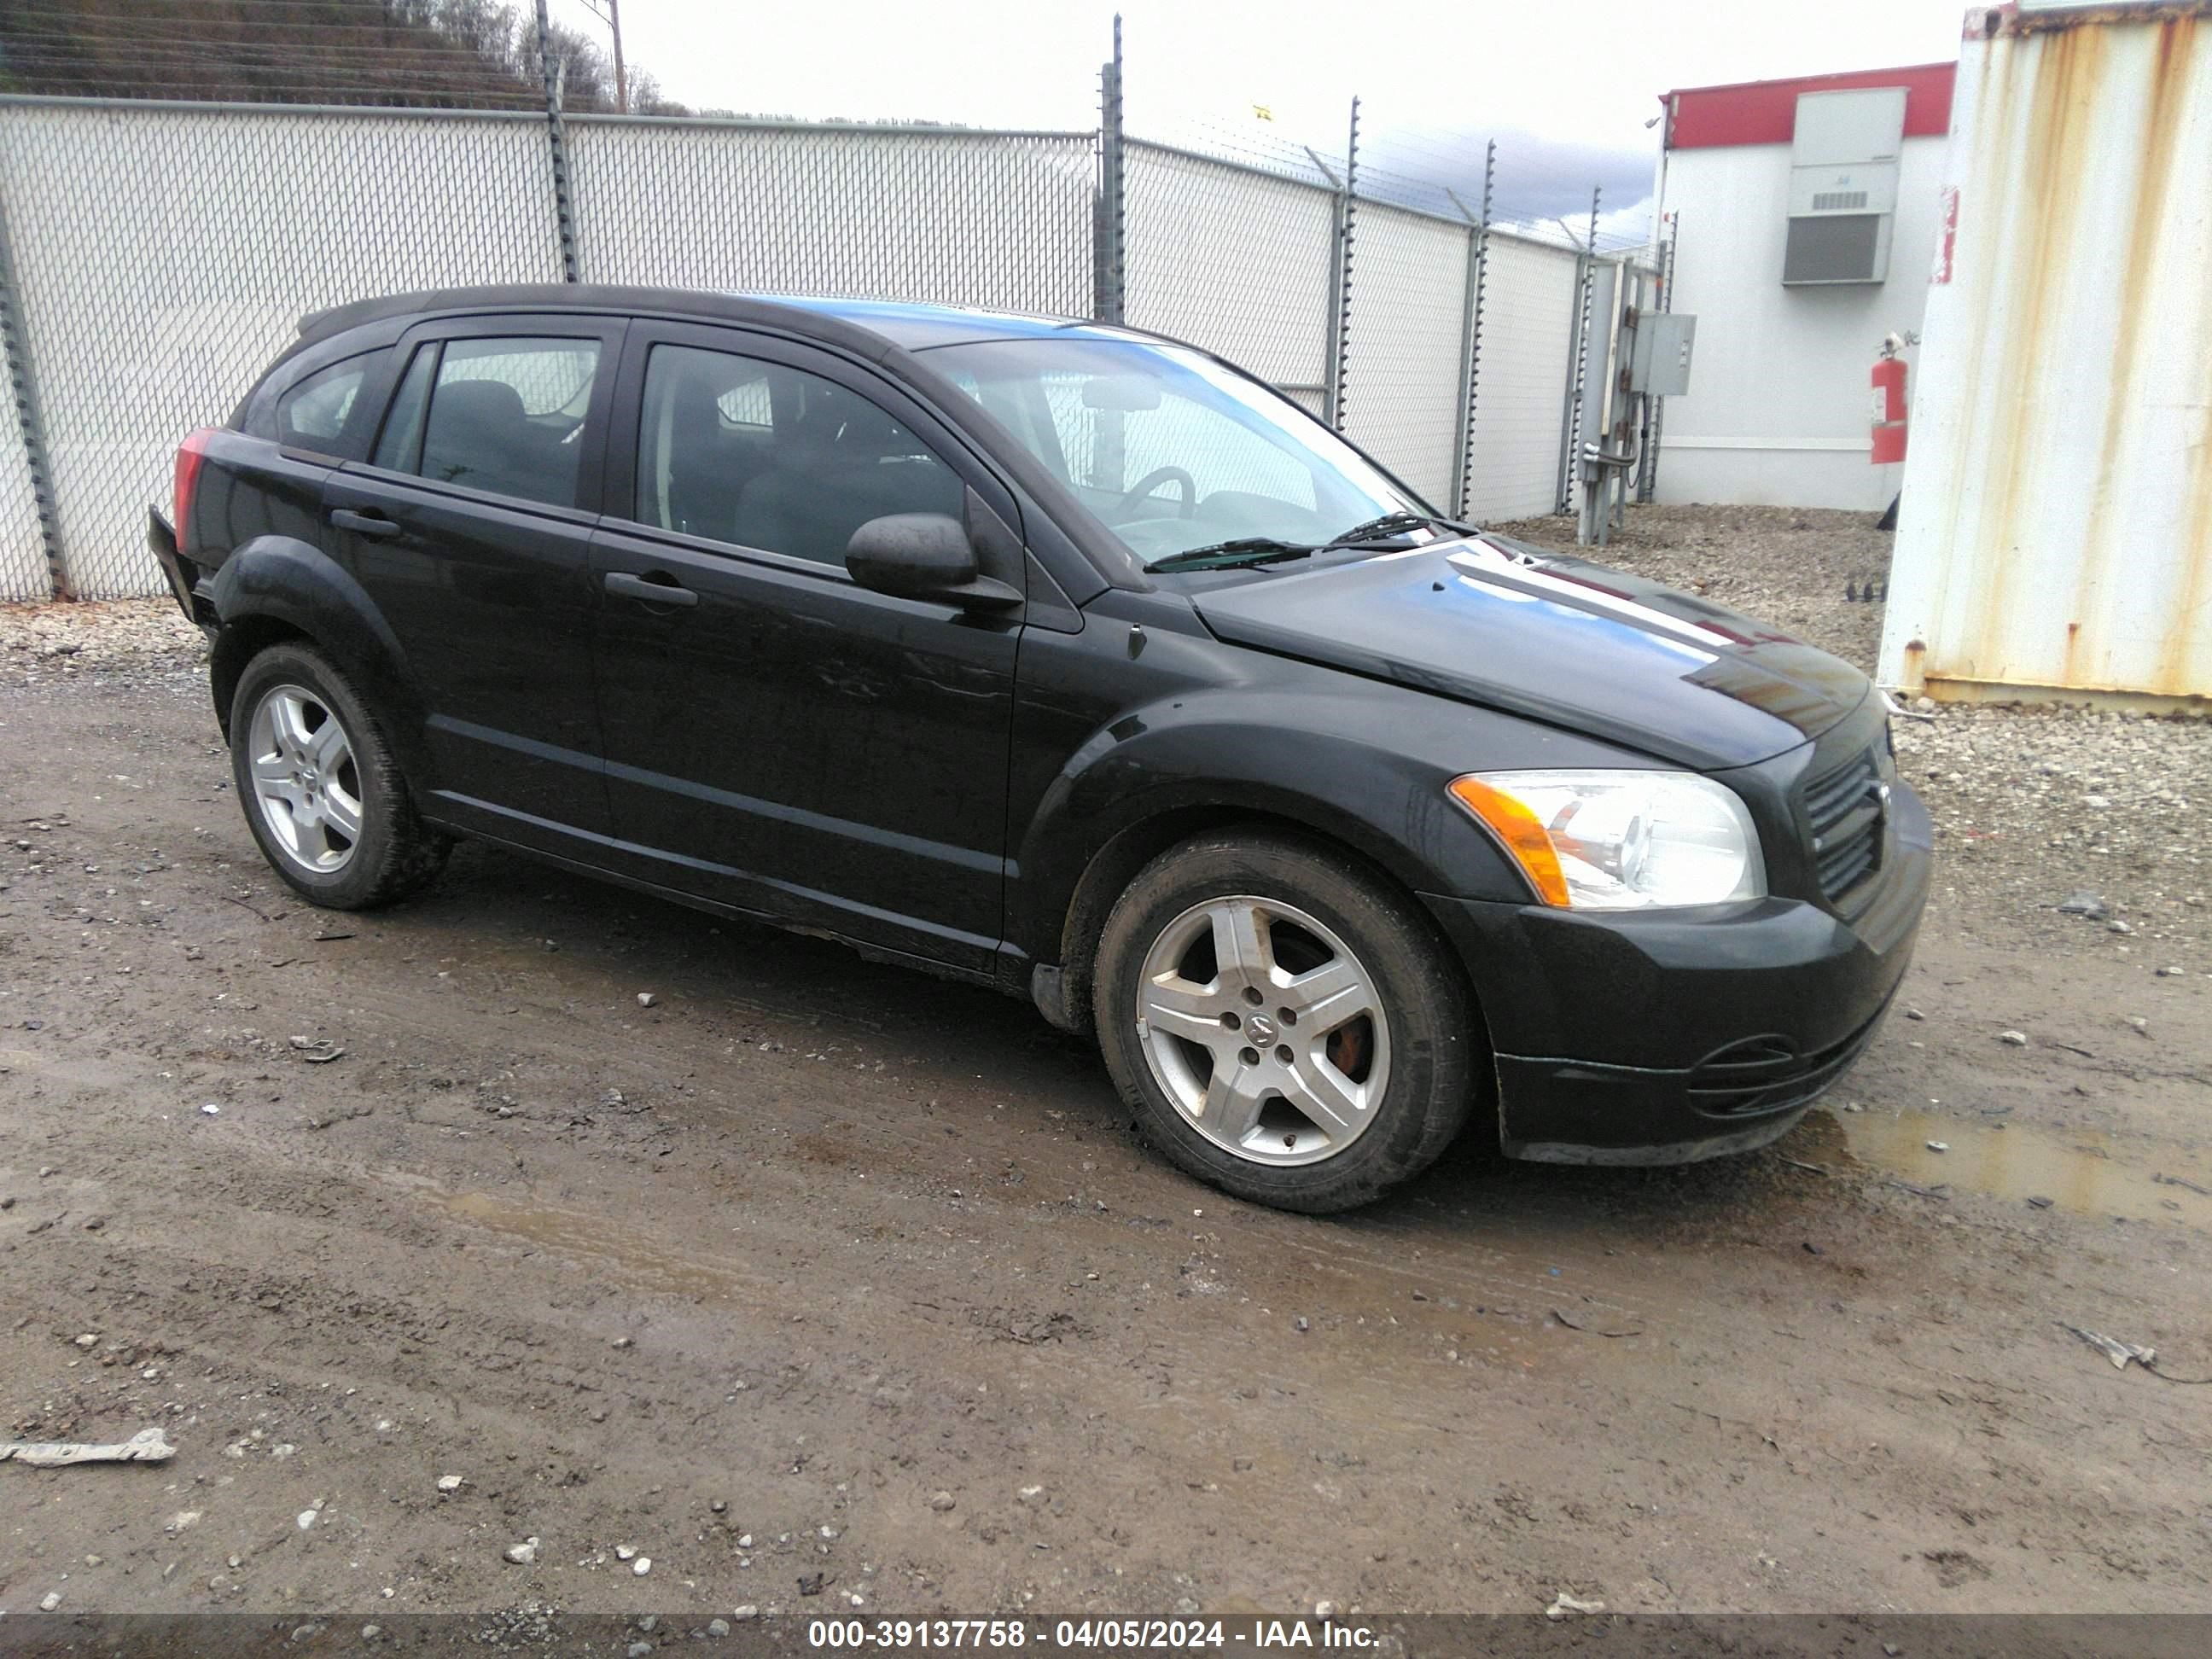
1664 1037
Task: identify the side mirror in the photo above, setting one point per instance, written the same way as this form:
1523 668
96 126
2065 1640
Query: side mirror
923 556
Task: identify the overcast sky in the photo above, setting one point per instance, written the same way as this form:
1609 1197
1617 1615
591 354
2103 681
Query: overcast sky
1565 86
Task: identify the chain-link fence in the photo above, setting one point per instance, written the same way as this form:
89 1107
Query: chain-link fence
1405 387
1241 257
163 254
958 217
1532 296
22 548
1233 259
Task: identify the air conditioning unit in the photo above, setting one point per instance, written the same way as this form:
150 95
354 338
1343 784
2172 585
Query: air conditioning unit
1843 185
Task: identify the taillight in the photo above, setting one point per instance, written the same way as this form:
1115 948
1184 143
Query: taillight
190 454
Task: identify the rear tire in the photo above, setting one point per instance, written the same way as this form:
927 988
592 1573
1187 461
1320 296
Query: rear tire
321 791
1282 1025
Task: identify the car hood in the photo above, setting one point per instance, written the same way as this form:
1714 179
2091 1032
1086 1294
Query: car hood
1497 622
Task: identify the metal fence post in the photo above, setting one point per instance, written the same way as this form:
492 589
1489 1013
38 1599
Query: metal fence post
1570 410
1654 417
1109 210
22 385
1340 322
556 140
1573 389
1478 266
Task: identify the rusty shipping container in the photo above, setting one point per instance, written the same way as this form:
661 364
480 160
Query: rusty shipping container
2056 536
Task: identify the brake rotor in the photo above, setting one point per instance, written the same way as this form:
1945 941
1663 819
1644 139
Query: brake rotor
1348 1048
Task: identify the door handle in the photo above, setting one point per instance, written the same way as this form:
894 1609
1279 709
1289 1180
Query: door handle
659 588
374 525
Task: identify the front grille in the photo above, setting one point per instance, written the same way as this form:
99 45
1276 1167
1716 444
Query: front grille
1767 1074
1843 809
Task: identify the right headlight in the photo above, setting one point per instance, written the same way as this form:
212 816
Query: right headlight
1620 840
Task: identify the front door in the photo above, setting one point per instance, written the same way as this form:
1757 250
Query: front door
470 528
777 737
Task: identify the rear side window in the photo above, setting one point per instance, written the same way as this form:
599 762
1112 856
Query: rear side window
315 413
503 415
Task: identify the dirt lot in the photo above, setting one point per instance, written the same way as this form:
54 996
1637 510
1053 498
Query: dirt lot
818 1276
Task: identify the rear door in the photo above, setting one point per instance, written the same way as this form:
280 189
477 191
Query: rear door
469 526
778 737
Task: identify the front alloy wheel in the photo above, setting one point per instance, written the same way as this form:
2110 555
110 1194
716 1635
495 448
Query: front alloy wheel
1284 1022
1264 1030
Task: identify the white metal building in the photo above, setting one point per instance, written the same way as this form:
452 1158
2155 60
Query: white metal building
1806 219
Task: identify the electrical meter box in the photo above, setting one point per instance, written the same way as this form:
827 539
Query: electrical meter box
1659 364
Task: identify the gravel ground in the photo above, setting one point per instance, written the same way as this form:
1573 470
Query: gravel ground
135 640
2032 806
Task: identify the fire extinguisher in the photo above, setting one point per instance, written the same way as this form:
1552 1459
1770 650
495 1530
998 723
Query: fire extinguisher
1889 404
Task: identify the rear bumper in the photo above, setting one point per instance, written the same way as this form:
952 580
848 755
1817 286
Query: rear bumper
1667 1038
161 543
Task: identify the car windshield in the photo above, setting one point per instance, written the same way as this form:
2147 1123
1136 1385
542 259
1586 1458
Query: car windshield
1167 448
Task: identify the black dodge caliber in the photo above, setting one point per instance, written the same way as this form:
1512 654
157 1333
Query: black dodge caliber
1069 661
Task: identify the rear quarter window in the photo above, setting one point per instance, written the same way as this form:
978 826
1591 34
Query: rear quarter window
325 411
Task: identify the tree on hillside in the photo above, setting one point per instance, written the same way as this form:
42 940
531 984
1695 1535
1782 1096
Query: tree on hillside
421 53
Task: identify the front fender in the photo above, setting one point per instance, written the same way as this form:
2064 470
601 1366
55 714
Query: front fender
1360 764
275 586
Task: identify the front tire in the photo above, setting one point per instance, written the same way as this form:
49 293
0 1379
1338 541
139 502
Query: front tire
1282 1025
322 794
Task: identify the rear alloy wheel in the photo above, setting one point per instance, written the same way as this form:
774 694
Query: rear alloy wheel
306 780
1284 1026
322 792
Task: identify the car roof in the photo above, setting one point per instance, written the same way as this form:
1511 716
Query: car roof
897 322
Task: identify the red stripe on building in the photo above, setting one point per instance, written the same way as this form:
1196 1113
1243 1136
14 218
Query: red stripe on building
1766 111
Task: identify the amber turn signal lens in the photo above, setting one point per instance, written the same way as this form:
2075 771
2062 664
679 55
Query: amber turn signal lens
1522 832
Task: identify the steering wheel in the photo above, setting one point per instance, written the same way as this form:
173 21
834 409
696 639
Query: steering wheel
1152 480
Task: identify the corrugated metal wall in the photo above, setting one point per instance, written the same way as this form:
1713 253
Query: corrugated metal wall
2056 529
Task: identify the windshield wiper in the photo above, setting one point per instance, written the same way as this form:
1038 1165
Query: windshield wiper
1222 556
1391 524
1262 550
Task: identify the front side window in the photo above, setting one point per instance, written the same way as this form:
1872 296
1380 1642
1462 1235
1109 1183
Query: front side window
1167 448
503 415
313 413
760 454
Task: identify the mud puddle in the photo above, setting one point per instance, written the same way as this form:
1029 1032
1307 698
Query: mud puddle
589 1241
2077 1172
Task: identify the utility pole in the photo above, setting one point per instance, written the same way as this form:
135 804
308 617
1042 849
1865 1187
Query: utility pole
622 75
612 18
